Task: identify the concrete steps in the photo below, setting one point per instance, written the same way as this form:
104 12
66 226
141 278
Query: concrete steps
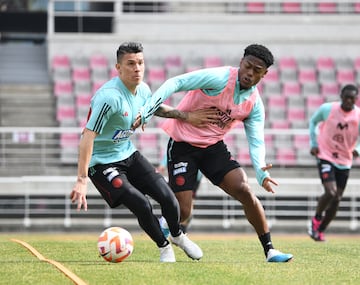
27 106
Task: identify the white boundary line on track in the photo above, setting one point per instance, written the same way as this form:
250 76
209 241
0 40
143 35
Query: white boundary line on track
58 265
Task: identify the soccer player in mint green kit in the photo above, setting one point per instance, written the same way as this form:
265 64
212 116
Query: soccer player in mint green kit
334 146
119 172
233 93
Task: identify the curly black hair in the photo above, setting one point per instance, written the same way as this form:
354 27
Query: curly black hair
261 52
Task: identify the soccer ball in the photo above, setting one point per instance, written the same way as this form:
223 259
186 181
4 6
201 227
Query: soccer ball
115 244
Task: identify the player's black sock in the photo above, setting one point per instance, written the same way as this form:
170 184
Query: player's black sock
165 243
318 217
183 228
265 240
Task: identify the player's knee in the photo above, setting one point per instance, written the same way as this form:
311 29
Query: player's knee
144 209
331 195
243 193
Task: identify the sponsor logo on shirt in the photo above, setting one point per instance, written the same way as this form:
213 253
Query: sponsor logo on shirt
121 135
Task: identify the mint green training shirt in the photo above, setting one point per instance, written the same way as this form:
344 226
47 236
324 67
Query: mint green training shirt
113 110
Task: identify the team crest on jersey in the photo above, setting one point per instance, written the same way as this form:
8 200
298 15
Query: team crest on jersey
225 118
121 135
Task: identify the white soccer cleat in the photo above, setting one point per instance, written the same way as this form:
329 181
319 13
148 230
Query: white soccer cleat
274 255
167 254
191 249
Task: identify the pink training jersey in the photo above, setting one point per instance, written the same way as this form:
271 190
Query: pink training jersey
231 114
338 135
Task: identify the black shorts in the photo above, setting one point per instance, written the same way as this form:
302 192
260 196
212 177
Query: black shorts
184 161
329 173
133 176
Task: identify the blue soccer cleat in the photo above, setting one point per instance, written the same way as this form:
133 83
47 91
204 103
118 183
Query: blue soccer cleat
274 255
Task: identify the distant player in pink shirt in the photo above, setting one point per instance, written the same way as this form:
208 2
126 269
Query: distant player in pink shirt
334 145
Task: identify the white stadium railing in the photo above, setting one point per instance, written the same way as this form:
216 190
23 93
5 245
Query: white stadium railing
40 200
43 203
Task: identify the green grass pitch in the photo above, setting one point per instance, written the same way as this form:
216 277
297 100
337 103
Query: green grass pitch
228 259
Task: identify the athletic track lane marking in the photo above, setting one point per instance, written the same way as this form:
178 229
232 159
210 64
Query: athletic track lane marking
58 265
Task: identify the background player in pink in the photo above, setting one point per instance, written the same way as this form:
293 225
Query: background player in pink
334 146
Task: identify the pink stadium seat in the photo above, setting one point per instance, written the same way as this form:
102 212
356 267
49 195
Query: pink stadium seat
83 100
255 7
327 7
301 141
286 156
271 76
244 156
345 76
296 114
276 102
69 140
156 74
98 61
291 89
63 88
81 74
325 63
65 113
113 72
329 89
96 85
60 61
281 124
356 7
291 7
212 61
173 61
307 75
287 62
314 101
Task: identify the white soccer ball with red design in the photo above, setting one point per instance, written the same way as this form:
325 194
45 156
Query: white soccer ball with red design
115 244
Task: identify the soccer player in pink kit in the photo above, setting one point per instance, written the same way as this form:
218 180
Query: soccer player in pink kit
334 146
233 92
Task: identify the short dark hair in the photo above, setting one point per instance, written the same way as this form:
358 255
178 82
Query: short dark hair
261 52
350 87
128 47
